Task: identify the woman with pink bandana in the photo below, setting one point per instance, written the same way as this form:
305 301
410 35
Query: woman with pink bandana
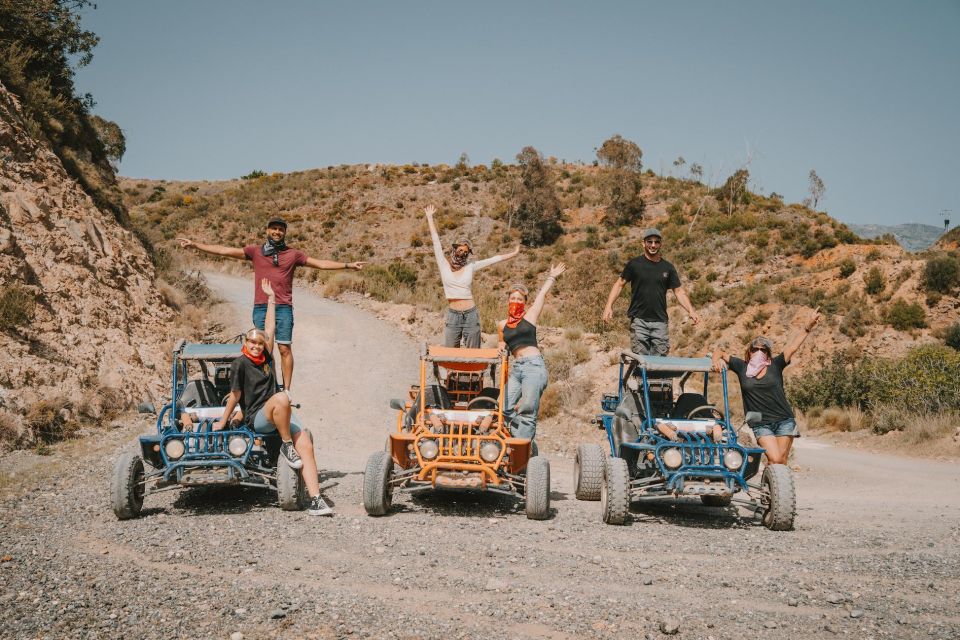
761 385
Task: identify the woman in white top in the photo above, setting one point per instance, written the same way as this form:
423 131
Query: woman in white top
456 273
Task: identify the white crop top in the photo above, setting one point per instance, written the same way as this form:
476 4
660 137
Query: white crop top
457 284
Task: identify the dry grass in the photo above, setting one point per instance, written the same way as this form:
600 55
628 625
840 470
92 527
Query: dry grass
837 419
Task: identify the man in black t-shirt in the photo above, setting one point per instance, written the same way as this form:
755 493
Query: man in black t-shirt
650 277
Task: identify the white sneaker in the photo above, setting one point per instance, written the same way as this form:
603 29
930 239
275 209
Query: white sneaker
319 508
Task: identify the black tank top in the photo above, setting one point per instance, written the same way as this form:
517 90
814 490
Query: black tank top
523 335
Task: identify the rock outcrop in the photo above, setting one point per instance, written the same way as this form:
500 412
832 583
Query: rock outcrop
99 326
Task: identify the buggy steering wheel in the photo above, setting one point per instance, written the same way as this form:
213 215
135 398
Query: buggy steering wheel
705 411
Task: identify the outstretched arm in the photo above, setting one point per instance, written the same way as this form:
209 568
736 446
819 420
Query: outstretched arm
429 210
614 294
270 322
213 249
533 314
330 264
797 339
486 262
684 300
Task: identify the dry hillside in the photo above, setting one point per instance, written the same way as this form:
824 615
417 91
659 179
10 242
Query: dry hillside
84 327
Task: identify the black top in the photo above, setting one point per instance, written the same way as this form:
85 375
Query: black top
765 394
523 335
649 282
255 384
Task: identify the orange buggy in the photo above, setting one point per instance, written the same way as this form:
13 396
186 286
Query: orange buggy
450 434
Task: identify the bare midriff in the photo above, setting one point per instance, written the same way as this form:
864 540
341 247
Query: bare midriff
461 304
524 352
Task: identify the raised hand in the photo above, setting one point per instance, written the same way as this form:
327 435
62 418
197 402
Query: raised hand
356 266
185 243
556 270
267 288
430 210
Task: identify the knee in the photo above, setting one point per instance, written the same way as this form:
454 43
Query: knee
285 351
281 401
775 458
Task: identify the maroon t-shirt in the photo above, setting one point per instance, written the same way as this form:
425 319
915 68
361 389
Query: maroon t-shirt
280 276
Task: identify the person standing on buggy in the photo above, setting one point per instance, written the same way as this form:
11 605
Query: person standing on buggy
528 372
456 274
761 386
253 385
650 277
277 262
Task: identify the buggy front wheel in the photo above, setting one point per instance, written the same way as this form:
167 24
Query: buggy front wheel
779 497
615 492
537 488
377 492
127 488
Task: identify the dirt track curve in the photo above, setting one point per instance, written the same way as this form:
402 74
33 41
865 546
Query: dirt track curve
875 553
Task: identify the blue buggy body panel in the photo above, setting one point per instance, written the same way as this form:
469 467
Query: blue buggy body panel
702 460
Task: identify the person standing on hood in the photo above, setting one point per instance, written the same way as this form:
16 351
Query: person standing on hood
456 273
276 262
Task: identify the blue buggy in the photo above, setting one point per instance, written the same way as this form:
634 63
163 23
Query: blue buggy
661 447
187 452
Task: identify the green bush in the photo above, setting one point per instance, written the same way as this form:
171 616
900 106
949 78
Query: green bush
874 283
702 293
17 306
847 267
952 336
941 274
902 315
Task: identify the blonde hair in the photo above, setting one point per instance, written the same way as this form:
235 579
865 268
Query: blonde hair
516 286
253 334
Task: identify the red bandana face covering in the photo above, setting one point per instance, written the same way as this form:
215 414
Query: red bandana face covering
255 360
515 311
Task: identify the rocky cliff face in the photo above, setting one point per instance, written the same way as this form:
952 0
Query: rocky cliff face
99 325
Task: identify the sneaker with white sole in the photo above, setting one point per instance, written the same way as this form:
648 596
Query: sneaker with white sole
319 508
289 453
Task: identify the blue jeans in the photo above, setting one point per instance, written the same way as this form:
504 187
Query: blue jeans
462 329
284 333
528 379
786 427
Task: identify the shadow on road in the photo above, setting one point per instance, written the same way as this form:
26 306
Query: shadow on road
202 501
689 513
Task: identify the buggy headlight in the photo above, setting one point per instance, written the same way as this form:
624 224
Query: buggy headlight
237 446
174 449
429 449
733 459
490 451
672 458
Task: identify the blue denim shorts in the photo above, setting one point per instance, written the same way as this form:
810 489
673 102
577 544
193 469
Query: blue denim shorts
262 425
284 334
786 427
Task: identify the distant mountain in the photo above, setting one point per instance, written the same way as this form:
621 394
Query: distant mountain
911 236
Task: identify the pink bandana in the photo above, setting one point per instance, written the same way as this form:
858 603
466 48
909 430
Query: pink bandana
758 361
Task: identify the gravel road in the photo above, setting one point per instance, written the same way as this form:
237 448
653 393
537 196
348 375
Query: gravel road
875 553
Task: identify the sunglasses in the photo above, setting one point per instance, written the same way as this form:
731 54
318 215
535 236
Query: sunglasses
764 349
276 259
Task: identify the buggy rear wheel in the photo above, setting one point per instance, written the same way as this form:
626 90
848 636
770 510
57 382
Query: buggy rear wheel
588 472
377 492
781 497
615 492
716 501
536 488
126 487
291 489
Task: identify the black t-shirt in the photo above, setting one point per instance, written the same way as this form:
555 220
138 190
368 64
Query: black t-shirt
255 384
765 394
649 282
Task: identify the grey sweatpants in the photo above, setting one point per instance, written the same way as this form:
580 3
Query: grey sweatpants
463 329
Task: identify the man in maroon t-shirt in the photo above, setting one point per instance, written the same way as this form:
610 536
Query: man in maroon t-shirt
276 262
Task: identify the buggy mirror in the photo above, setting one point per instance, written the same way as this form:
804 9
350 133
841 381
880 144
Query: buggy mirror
398 404
146 407
753 418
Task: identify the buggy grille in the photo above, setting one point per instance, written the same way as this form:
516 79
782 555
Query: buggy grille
460 442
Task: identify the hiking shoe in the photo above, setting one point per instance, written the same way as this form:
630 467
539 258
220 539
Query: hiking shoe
290 455
319 508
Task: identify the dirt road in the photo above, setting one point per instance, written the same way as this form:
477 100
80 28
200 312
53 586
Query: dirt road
875 553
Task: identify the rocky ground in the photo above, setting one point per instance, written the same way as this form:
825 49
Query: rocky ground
874 554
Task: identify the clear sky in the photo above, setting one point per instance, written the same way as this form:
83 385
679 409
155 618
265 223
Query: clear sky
867 93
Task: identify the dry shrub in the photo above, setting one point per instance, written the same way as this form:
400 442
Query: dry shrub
550 402
574 396
104 404
561 359
172 297
342 282
50 420
12 430
837 419
931 427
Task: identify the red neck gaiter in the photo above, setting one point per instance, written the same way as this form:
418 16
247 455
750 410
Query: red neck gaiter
515 311
255 360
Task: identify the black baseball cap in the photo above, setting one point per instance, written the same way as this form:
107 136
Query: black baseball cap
278 220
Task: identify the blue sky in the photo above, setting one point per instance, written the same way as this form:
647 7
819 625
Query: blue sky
865 93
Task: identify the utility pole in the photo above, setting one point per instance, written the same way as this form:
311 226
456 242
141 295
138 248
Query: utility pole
945 214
